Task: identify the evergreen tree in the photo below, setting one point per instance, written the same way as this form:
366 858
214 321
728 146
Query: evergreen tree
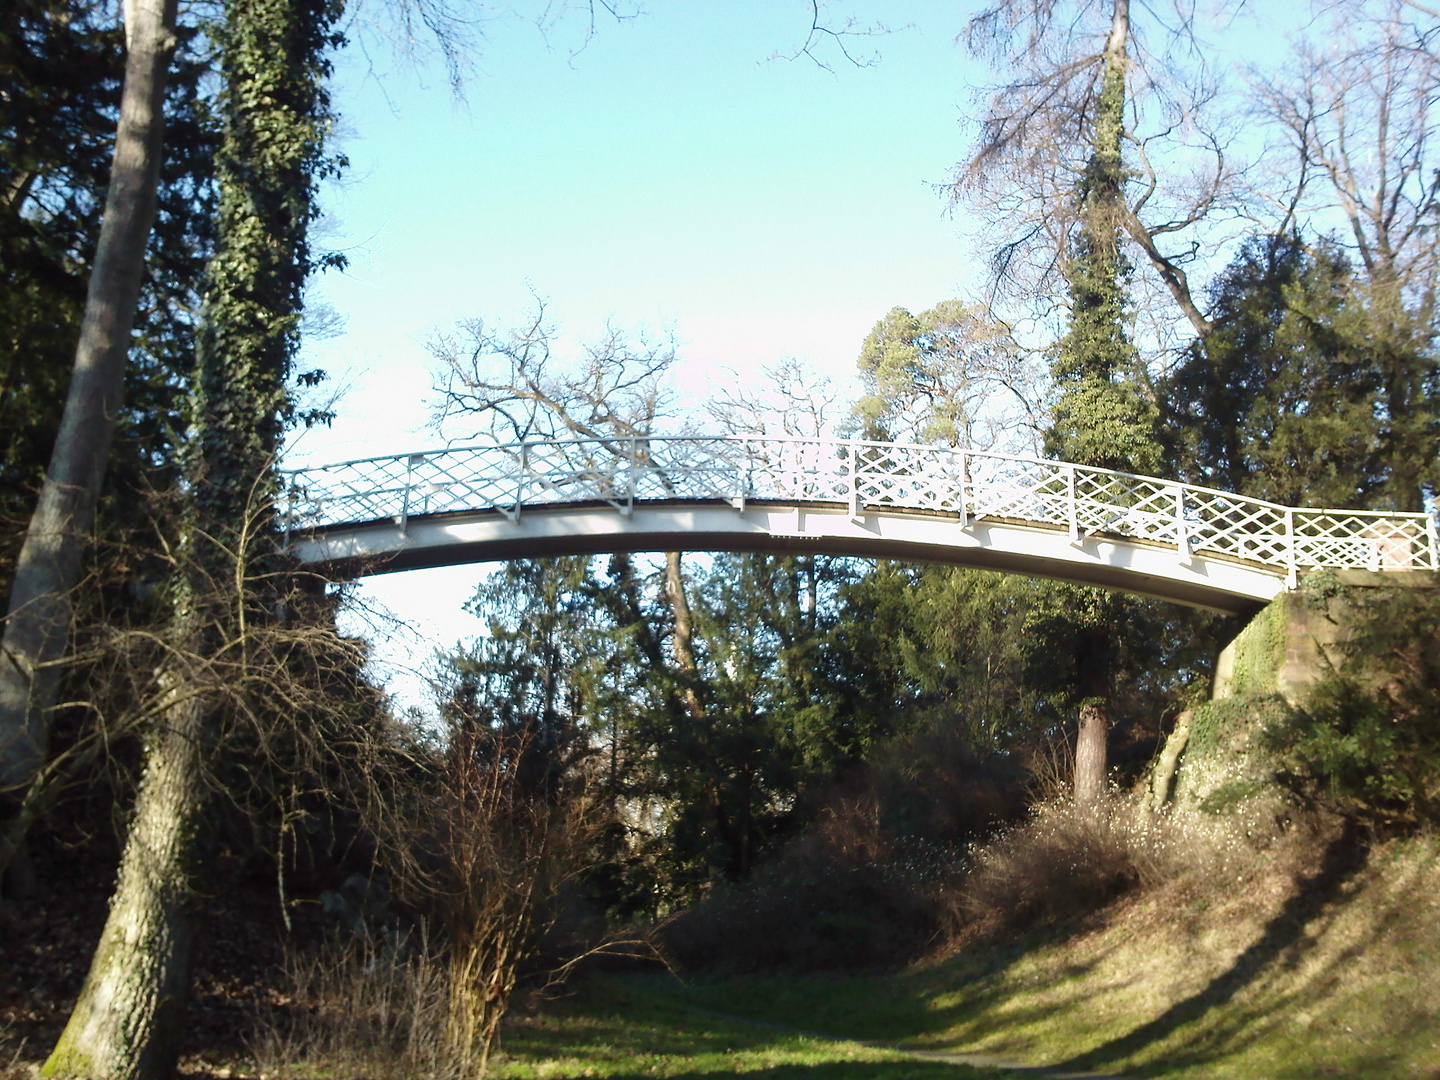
1284 399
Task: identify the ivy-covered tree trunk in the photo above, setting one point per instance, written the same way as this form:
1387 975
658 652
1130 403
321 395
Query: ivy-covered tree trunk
276 110
1102 417
37 626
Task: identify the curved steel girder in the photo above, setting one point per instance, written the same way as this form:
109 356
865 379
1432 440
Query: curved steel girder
1215 584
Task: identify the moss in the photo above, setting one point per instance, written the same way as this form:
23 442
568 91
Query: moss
1259 651
1226 761
67 1059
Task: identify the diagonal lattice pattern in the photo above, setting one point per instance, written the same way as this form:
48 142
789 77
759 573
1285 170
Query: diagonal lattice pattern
970 484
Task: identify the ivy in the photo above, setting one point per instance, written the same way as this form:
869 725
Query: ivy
271 162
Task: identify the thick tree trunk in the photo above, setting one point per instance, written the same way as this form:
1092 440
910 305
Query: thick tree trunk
127 1022
38 624
1091 756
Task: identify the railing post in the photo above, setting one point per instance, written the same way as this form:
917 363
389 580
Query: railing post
964 483
1432 542
743 475
1292 556
404 519
1182 528
854 482
629 508
1074 509
520 480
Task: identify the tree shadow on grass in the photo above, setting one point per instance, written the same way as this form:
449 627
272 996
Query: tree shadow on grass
849 1070
1343 858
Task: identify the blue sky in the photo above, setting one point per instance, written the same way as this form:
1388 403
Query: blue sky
670 176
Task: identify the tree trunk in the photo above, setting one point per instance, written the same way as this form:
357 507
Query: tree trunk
127 1022
684 630
1169 759
1091 756
38 624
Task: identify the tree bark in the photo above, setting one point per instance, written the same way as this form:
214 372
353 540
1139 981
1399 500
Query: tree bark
684 630
38 624
127 1022
1169 759
1091 756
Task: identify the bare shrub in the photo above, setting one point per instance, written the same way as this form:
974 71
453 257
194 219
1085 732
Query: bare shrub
866 886
806 911
1067 861
515 828
360 1006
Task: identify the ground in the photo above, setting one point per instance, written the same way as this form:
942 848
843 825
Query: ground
1317 960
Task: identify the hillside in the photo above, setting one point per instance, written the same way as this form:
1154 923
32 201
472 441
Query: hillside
1319 960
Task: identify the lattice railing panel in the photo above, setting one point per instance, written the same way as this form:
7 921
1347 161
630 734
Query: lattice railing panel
969 484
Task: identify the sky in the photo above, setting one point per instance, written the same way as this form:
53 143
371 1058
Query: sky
674 176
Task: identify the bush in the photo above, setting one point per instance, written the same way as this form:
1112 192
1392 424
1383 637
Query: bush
864 887
1353 752
1367 744
1066 862
363 1005
808 911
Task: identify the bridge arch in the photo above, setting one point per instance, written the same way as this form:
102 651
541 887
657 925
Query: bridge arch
1192 545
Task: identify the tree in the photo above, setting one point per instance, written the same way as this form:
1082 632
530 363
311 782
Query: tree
1357 112
1183 190
949 375
61 65
48 568
514 809
612 399
275 58
1281 400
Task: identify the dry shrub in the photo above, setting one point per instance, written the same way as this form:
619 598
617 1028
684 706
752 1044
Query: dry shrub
865 886
808 911
1067 861
515 827
361 1007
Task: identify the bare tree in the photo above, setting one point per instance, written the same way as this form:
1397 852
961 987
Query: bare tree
234 672
1184 193
1356 113
614 395
790 399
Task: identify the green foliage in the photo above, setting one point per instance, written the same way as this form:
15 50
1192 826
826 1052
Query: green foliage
271 161
1284 400
1367 743
1101 417
926 377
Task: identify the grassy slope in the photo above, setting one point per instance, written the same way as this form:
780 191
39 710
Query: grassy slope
1313 965
624 1032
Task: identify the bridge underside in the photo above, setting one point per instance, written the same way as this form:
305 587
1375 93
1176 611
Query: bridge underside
1215 584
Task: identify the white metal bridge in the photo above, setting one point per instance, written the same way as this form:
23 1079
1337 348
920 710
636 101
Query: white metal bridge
1139 534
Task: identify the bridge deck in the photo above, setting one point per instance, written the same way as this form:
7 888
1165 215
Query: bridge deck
1139 534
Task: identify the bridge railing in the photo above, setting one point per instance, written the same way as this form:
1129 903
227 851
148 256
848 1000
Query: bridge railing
970 484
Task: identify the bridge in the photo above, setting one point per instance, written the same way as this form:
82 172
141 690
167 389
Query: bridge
1138 534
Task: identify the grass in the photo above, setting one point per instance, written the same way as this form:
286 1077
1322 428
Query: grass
1321 968
617 1029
